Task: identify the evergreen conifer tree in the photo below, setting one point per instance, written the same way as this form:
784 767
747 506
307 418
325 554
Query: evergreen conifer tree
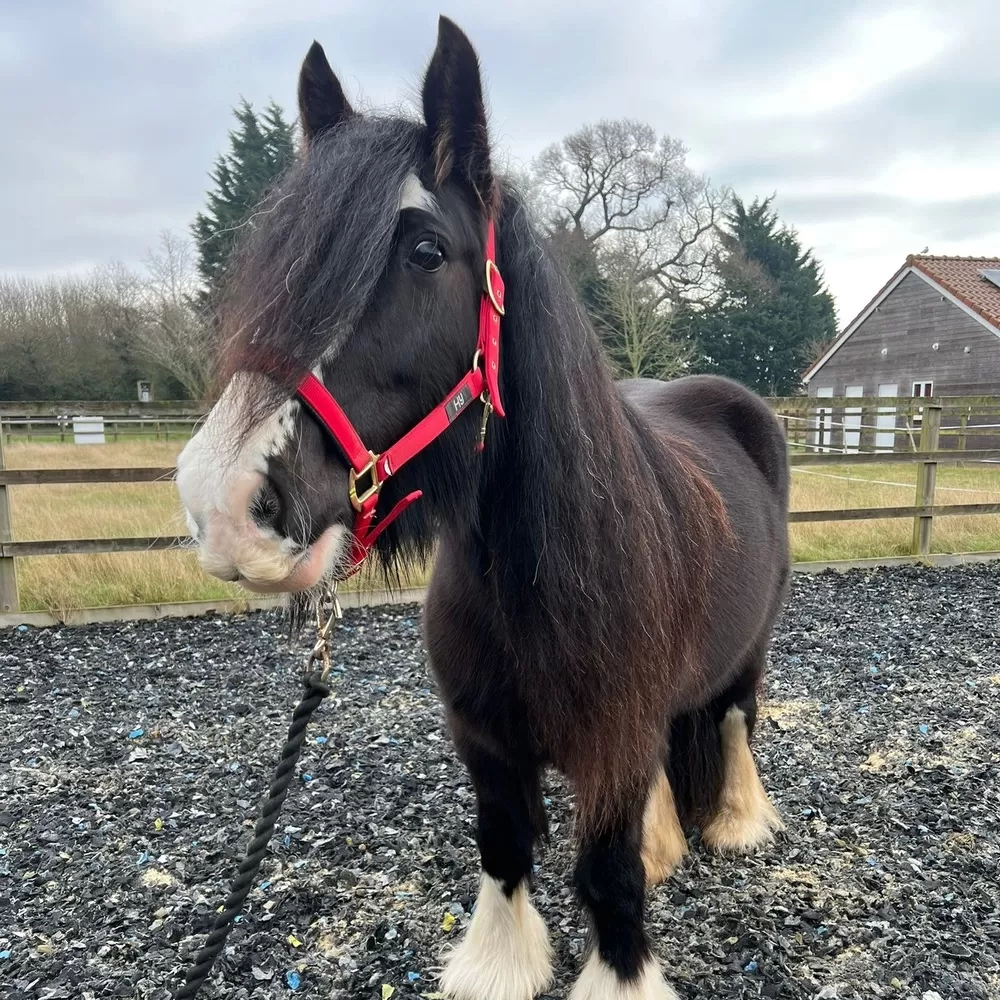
261 148
772 308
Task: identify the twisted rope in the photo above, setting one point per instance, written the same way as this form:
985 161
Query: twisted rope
316 690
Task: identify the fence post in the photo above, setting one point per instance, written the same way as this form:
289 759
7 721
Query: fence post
930 432
9 601
964 429
866 440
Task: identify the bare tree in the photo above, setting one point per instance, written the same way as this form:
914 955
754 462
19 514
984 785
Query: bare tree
66 334
814 349
638 333
80 337
636 201
175 336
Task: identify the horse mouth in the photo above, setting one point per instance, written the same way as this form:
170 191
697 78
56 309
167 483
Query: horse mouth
314 565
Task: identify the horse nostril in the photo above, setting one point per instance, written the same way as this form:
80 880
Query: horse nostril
265 507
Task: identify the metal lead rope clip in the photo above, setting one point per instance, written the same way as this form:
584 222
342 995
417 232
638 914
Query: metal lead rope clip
323 629
484 398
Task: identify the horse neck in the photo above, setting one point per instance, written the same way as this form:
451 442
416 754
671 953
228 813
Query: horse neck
567 476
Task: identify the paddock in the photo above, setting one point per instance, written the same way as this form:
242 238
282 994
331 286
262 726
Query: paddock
135 756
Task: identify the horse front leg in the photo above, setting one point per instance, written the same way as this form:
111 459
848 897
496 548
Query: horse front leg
611 883
506 954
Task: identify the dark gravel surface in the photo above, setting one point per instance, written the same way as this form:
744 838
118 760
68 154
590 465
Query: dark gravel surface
134 756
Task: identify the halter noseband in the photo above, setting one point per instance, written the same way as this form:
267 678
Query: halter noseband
370 470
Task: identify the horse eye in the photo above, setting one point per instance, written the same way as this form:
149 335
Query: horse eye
427 255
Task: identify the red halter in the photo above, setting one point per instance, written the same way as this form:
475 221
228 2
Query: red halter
369 471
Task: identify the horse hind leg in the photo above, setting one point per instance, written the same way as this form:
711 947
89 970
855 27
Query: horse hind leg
743 818
663 842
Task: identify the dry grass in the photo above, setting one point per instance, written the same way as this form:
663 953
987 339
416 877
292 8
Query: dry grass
79 511
100 511
844 486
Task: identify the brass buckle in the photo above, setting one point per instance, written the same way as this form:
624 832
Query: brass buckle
359 500
489 286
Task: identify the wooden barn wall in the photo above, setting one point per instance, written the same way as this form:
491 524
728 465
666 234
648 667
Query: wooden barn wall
908 323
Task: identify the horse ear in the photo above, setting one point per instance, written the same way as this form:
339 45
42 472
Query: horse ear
322 103
455 113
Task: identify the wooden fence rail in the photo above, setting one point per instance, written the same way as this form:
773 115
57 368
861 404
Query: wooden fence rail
57 409
49 477
113 429
927 455
8 569
850 425
91 546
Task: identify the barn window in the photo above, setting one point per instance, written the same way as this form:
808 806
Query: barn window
921 389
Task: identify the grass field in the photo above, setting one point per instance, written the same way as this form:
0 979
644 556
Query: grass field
84 511
833 487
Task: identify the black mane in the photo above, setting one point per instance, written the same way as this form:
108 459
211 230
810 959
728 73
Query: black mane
594 533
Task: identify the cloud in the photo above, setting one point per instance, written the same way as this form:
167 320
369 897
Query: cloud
871 119
199 23
866 54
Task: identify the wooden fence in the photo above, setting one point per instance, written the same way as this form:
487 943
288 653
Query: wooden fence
923 430
848 425
845 425
112 429
16 409
119 421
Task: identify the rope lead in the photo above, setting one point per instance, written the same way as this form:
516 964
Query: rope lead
316 690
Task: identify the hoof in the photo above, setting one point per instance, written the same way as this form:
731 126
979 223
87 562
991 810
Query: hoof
505 954
599 981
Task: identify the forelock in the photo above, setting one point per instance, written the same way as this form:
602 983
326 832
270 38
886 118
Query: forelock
306 267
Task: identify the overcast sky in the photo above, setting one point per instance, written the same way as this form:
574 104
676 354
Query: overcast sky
876 122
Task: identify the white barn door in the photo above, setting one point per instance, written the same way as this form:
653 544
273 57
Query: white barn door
885 421
852 420
824 422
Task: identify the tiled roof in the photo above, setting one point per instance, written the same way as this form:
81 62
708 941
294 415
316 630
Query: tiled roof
961 276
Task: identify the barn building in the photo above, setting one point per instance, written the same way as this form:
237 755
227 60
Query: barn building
932 330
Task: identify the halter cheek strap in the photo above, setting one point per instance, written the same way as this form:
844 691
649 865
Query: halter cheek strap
370 470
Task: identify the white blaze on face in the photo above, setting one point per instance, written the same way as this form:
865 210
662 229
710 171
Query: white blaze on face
412 194
217 478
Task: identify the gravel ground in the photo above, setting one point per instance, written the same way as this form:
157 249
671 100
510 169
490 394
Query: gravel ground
134 757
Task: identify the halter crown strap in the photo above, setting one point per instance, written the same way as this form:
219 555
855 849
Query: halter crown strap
369 470
490 310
